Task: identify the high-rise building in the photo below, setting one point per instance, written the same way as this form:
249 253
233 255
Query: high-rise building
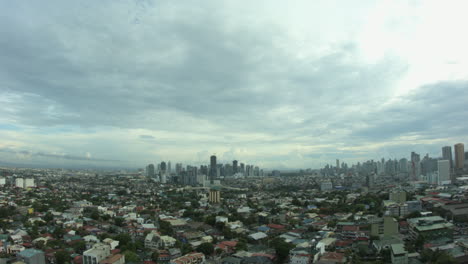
459 155
447 154
415 166
163 167
443 168
169 167
213 168
337 164
178 168
403 165
234 166
150 171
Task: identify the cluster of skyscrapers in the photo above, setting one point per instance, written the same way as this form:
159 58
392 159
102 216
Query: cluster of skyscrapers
203 174
440 170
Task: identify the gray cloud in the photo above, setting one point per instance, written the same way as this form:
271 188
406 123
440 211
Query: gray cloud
211 79
54 156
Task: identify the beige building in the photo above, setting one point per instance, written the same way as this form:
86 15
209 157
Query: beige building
459 155
215 196
97 253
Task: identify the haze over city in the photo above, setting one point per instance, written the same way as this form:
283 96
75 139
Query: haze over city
274 83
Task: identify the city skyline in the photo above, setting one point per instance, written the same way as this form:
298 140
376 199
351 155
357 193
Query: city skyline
152 81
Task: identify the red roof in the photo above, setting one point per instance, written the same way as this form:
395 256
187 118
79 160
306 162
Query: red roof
350 228
78 260
230 243
343 243
333 256
276 226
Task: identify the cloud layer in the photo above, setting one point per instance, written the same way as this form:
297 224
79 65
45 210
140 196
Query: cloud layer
291 86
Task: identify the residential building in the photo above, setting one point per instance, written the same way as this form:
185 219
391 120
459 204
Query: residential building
32 256
398 196
431 227
443 168
115 259
398 254
95 254
214 196
447 154
192 258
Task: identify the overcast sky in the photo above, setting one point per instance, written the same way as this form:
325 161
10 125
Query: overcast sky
280 84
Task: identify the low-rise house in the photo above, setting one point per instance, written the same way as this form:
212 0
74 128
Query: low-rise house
97 253
114 259
227 246
32 256
192 258
332 258
112 243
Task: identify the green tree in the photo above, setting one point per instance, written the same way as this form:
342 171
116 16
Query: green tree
48 217
206 248
155 256
131 256
79 246
241 245
62 257
282 248
119 221
124 239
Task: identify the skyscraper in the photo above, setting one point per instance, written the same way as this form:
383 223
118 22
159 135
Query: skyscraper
447 154
163 167
234 166
459 155
415 166
213 168
443 168
150 171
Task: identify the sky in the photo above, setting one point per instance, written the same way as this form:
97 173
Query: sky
279 84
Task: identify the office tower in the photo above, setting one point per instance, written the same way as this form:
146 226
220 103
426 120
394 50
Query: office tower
150 171
169 167
163 167
443 168
234 166
415 166
242 168
337 164
403 165
447 155
459 155
178 168
213 168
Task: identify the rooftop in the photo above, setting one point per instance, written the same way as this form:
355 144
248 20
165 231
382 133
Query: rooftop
398 249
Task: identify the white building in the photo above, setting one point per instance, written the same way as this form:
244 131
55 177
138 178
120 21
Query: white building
326 186
95 254
112 243
2 181
443 168
19 182
29 182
